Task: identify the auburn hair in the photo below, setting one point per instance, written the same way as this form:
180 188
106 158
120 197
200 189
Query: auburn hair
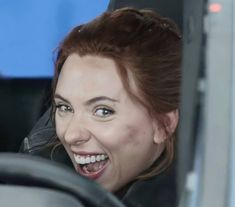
146 45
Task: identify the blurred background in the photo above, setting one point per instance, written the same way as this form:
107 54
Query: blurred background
31 31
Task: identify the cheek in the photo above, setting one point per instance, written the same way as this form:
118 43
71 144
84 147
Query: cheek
60 127
121 136
132 135
138 129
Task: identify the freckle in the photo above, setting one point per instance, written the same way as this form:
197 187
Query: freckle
132 133
129 130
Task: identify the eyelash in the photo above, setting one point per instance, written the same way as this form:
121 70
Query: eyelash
66 108
108 112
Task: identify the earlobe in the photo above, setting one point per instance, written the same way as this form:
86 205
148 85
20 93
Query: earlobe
159 136
167 128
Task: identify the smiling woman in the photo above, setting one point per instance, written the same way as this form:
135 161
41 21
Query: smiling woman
101 127
116 99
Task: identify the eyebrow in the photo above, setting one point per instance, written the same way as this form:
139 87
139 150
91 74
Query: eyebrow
100 98
89 102
60 97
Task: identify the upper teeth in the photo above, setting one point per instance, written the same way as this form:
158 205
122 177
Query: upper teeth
86 159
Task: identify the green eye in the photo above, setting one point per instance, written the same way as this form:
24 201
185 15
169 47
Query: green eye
62 108
103 112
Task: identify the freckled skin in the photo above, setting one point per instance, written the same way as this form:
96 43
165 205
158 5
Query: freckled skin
126 136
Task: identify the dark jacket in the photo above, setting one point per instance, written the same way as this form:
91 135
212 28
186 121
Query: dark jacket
157 191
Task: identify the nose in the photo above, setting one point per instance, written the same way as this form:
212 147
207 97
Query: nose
76 132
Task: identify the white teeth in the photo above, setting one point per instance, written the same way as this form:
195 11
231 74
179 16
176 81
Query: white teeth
92 159
88 159
80 159
98 158
102 157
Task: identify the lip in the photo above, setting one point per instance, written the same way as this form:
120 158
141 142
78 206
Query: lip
94 175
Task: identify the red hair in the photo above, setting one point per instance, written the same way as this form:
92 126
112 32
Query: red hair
147 45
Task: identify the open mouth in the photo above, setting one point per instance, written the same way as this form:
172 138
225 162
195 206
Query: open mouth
91 166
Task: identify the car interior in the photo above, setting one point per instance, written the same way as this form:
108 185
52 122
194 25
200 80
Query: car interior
43 184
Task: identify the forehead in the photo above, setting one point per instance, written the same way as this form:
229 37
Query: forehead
83 67
89 75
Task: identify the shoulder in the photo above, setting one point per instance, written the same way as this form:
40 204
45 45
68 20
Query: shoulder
42 141
42 134
157 191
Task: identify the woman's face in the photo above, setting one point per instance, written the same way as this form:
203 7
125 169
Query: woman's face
109 137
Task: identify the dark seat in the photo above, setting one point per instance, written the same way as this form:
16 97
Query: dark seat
23 101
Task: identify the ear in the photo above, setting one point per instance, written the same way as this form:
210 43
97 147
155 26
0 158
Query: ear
165 129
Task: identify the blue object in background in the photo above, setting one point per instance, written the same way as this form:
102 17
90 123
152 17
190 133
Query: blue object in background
31 31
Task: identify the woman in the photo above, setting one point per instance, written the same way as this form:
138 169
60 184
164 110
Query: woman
116 97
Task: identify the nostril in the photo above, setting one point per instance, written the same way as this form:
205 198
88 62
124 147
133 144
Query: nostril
77 136
79 142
